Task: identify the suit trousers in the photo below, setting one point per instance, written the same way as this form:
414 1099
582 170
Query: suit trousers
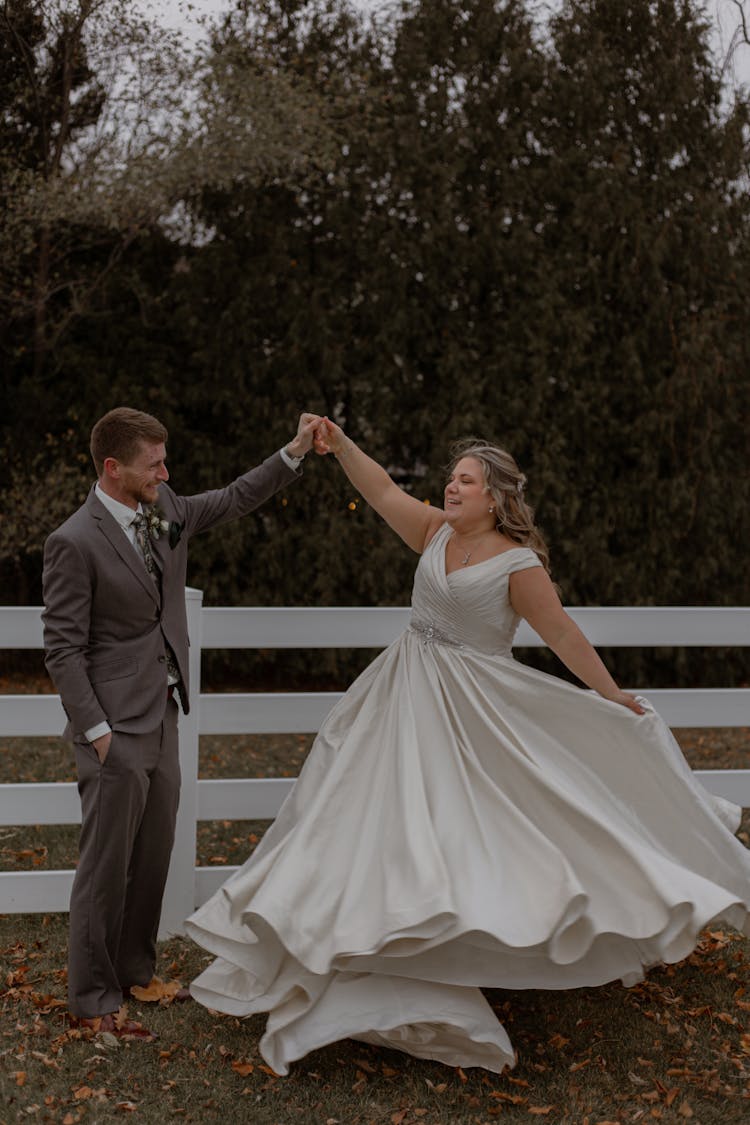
129 807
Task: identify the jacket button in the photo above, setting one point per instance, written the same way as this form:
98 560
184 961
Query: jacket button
162 660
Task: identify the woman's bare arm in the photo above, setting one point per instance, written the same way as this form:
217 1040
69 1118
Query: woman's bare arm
414 521
534 597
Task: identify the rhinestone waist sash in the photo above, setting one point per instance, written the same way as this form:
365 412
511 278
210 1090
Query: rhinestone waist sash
431 634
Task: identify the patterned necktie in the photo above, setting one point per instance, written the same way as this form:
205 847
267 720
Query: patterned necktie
143 540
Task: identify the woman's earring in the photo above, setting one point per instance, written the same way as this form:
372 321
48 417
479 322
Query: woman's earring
491 509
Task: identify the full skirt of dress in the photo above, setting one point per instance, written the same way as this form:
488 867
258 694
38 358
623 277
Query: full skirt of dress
466 821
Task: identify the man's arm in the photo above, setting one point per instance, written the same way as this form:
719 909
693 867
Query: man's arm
67 586
248 492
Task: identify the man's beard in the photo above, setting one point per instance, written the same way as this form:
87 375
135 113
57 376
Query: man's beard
146 494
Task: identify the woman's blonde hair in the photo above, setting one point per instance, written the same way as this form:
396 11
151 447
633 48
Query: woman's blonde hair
505 482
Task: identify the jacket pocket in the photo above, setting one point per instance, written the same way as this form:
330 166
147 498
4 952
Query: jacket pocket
112 670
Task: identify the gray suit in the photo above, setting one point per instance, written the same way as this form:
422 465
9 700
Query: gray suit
105 626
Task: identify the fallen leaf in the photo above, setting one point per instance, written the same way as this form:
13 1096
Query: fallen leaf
579 1065
20 1077
47 1003
540 1110
501 1096
242 1069
161 991
685 1110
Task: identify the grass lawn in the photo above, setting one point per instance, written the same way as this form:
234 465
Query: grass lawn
675 1048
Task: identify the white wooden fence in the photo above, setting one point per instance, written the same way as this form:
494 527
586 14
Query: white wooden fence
224 713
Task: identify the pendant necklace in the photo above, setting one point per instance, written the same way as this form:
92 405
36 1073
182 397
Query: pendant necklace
467 554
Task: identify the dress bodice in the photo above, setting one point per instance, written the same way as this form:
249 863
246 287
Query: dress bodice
470 607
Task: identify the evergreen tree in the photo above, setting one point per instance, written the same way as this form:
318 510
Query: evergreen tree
458 221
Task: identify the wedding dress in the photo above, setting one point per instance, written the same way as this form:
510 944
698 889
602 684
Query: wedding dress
463 820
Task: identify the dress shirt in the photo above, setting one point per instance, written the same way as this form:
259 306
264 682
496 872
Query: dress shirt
292 462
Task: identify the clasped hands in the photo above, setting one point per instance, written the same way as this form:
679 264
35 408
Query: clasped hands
318 433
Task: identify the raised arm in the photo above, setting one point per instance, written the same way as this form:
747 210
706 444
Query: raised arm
534 597
414 521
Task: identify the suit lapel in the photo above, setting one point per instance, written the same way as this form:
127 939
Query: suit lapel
128 554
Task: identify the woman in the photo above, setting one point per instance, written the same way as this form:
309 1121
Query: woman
463 820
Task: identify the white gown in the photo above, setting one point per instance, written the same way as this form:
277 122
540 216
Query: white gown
463 820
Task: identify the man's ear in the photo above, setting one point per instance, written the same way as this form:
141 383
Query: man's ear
111 468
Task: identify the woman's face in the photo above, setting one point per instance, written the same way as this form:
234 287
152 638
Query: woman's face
466 496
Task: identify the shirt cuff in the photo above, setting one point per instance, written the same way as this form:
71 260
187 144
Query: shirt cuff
96 732
291 462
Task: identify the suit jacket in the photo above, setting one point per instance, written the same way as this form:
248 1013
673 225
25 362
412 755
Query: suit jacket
105 620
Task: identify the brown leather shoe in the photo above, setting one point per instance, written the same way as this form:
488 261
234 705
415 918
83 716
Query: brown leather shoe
116 1025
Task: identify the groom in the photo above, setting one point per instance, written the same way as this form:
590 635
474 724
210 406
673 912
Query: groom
116 647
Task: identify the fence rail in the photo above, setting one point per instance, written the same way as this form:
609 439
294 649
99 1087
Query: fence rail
292 712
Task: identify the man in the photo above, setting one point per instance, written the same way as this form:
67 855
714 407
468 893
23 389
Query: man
116 645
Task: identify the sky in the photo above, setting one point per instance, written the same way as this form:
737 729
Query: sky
185 14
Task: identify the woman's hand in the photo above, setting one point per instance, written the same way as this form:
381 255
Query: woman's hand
329 438
632 702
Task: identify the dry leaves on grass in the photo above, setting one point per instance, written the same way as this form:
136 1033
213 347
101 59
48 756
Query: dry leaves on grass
156 991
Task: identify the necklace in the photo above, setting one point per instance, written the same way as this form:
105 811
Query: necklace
467 554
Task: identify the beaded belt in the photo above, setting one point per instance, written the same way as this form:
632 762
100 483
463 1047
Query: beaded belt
429 633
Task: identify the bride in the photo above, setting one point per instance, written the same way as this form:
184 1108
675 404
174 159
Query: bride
464 821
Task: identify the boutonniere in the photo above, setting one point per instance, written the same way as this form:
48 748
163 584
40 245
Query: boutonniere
156 523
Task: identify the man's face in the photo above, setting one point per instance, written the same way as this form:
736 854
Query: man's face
139 481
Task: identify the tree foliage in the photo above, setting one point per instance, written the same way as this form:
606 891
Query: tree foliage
442 220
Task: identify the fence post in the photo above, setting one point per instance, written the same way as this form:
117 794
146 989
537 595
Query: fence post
179 896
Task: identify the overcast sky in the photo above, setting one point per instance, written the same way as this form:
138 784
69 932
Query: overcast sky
723 13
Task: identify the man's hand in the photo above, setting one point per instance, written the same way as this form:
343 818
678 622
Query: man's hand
101 745
302 443
329 438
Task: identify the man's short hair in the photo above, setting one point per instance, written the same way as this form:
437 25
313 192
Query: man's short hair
120 434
